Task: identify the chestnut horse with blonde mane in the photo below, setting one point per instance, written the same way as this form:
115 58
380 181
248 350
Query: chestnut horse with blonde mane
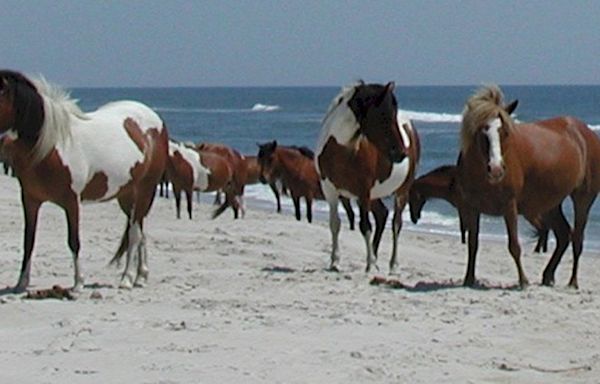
507 169
66 156
366 151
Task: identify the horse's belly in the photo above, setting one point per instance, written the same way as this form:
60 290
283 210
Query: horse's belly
393 182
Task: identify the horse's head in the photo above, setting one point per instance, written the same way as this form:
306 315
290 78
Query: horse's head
265 159
21 106
486 128
375 108
416 201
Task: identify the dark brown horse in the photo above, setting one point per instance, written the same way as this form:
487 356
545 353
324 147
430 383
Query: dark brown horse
366 151
295 167
440 183
508 169
65 156
237 163
191 170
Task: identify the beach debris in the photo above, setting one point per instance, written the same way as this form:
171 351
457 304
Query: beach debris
96 295
391 283
56 292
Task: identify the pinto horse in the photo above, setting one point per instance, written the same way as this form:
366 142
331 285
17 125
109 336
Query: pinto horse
65 156
191 170
237 162
508 169
366 151
296 168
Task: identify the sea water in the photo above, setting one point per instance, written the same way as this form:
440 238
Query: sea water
243 117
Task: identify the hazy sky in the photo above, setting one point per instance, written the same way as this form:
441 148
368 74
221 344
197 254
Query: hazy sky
309 42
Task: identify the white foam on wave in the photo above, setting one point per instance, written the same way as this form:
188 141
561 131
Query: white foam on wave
594 127
258 107
432 117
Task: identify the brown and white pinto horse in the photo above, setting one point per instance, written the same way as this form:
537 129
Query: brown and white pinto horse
191 170
237 162
295 167
508 169
366 151
65 156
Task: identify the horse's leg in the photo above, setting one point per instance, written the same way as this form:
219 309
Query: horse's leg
31 208
277 197
308 200
582 209
400 203
177 194
334 227
188 197
72 213
510 220
217 198
471 219
555 219
135 237
350 213
296 200
380 212
142 254
365 230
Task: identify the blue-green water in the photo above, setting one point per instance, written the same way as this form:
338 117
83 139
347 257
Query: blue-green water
242 117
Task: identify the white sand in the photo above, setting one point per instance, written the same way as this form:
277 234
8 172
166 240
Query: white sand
219 307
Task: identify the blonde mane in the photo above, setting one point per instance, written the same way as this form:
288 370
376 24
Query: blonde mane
486 103
59 109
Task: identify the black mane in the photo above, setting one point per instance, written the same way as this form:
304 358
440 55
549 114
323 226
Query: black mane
27 103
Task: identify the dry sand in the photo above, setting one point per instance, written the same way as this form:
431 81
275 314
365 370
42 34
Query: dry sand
250 301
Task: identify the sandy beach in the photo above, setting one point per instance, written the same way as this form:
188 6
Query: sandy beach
250 301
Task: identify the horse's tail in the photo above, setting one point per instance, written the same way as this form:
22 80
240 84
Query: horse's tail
122 247
217 212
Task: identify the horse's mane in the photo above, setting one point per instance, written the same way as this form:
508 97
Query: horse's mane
304 151
344 93
487 102
59 109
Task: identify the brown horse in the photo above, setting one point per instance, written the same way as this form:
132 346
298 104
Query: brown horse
508 169
237 163
296 168
65 156
366 151
191 170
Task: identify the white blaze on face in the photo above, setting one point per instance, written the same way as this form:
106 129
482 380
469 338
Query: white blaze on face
493 134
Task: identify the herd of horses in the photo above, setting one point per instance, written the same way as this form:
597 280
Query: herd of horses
366 152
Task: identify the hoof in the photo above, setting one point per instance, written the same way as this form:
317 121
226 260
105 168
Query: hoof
548 281
126 283
334 268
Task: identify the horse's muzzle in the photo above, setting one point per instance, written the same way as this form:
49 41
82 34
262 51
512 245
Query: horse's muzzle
496 173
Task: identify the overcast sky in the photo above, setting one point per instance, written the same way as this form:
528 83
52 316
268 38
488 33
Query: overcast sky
308 42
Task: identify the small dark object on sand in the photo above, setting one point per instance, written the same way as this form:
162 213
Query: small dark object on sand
56 292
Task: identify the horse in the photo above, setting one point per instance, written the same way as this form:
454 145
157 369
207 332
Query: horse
508 169
366 151
237 162
65 156
440 183
294 166
191 170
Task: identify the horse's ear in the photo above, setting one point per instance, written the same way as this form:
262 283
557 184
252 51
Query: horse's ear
3 86
274 143
510 108
390 86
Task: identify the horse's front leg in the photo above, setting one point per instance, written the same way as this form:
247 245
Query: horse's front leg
365 230
334 223
72 212
471 220
308 200
510 219
296 201
31 208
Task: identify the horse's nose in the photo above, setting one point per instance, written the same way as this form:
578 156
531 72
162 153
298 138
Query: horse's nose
496 172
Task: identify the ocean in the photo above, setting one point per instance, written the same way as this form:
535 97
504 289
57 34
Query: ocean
243 117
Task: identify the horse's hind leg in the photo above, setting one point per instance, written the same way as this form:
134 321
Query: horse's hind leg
555 219
365 230
143 271
380 212
582 209
31 209
308 200
399 205
72 213
296 201
350 212
188 197
135 237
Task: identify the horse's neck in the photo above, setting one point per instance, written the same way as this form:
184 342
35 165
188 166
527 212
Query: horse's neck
438 186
